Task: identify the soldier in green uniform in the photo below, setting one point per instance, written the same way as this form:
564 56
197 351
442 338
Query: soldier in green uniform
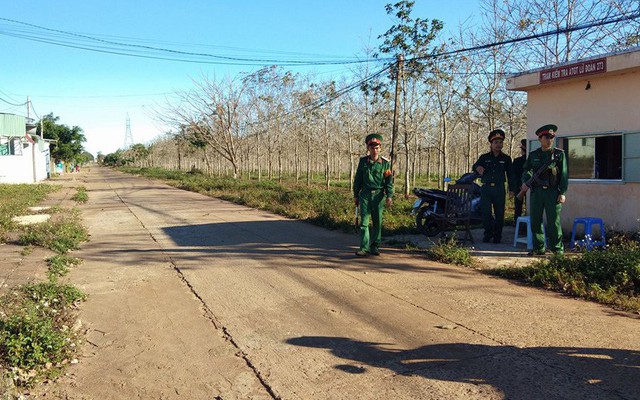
547 191
372 184
495 168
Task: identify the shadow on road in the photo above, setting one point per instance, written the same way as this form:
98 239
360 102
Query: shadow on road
519 373
281 238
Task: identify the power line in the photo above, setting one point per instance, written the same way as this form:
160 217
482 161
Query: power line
227 60
601 22
13 104
34 110
220 60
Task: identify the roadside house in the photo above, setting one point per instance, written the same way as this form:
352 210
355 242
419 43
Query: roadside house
595 103
24 157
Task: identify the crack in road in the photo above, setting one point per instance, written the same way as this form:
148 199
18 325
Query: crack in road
208 313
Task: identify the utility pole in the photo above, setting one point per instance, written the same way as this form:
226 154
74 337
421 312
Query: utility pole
394 131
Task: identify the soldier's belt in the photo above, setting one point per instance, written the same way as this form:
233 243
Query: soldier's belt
375 190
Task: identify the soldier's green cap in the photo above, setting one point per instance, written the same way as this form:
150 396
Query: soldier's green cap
373 138
496 134
549 129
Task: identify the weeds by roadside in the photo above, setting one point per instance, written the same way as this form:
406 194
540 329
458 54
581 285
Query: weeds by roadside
15 199
62 233
610 276
449 251
36 330
81 195
59 266
38 325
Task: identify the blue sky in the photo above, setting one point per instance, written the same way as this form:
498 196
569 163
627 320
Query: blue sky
96 91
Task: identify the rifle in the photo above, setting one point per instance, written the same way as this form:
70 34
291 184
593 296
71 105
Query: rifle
357 220
535 176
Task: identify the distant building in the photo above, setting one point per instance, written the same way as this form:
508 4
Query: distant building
24 156
595 103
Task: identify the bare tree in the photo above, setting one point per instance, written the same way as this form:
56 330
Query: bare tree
527 17
210 113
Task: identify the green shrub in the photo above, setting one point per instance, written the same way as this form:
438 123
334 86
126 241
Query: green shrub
52 295
36 338
15 199
609 276
61 234
449 251
30 341
59 265
81 195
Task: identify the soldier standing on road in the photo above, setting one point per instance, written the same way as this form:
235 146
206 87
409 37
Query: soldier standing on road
547 191
518 163
373 183
495 168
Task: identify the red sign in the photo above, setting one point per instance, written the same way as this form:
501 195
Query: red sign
591 67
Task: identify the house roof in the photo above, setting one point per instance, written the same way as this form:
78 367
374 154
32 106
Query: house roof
12 125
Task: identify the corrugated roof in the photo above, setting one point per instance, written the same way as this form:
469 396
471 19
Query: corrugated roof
12 125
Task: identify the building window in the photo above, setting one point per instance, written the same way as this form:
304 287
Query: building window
10 146
598 157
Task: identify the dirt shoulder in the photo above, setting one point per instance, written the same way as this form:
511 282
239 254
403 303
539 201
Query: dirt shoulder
193 297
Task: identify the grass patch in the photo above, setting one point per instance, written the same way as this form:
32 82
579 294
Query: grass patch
610 276
449 251
15 199
62 233
59 266
26 251
81 195
36 330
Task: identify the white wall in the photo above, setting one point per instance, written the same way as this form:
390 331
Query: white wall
20 168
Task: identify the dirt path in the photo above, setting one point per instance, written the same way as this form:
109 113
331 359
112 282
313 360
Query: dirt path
195 298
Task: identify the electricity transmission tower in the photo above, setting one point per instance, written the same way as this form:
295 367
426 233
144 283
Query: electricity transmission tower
128 137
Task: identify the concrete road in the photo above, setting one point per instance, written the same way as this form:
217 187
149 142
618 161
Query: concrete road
193 297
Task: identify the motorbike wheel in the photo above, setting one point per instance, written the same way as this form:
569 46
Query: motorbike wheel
427 224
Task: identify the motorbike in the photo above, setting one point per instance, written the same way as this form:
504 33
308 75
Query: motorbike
432 202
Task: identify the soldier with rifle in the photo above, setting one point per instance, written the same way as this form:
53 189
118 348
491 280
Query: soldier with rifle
372 190
545 173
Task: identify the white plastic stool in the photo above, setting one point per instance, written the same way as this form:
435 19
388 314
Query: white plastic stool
529 239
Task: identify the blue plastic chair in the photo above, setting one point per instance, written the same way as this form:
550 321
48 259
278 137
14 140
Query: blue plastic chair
529 239
588 242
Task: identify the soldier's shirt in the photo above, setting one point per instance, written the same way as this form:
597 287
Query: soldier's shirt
373 175
555 175
497 169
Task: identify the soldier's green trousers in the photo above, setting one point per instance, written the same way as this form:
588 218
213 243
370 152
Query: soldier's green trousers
492 197
371 206
546 200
